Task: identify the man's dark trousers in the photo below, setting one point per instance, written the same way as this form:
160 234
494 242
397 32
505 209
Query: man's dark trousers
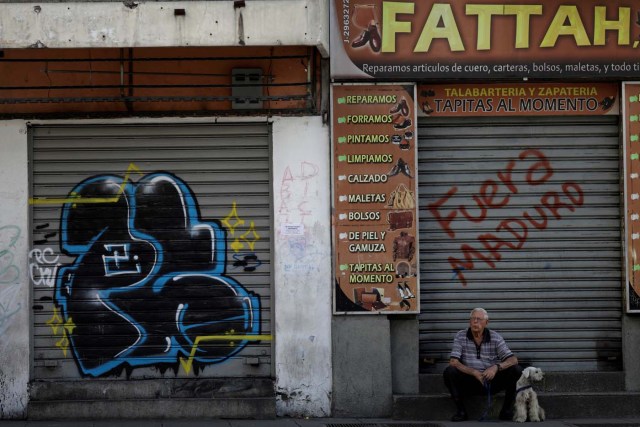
461 385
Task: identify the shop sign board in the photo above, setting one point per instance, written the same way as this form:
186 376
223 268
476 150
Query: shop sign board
374 199
518 99
424 39
631 136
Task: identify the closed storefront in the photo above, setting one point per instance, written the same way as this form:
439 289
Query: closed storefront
151 251
164 184
521 215
525 120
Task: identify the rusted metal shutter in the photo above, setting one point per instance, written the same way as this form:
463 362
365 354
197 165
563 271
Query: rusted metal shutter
151 251
521 216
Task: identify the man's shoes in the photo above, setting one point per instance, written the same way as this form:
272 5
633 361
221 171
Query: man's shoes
375 41
459 416
506 415
402 125
372 36
362 39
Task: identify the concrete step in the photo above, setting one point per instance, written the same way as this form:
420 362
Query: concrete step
101 389
153 398
557 382
238 408
557 405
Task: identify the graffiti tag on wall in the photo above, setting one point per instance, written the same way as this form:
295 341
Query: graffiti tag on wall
299 188
43 266
148 284
296 191
511 233
9 272
9 276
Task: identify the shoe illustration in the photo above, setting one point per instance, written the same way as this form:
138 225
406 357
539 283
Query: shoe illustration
606 103
400 166
362 39
371 35
405 107
402 107
404 168
405 145
375 41
408 291
403 269
395 170
426 108
401 292
405 124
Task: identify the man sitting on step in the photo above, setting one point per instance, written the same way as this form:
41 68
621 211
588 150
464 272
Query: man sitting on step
481 363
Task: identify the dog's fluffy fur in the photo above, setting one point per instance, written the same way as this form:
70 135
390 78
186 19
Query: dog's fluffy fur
526 397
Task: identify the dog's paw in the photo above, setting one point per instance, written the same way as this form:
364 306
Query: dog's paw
535 419
519 419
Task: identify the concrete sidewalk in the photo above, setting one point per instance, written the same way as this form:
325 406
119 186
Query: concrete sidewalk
318 422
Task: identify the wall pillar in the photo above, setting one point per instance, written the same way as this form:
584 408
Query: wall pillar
302 274
14 270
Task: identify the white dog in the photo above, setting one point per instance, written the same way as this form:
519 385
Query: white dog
526 397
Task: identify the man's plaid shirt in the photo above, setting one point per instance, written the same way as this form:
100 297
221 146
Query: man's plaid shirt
492 350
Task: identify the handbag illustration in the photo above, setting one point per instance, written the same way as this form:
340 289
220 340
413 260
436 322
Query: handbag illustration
399 220
402 198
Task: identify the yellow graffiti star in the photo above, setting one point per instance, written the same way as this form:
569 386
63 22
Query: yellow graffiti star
63 344
251 236
55 321
69 326
233 215
237 245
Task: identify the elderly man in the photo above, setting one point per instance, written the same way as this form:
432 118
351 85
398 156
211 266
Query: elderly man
481 362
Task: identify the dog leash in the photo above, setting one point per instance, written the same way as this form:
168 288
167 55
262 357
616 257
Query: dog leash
487 387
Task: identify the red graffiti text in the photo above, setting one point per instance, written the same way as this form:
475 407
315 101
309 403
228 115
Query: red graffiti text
510 233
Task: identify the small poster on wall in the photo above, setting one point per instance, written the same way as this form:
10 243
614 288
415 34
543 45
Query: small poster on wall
631 132
375 199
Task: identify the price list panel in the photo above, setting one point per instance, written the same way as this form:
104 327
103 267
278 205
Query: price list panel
631 131
374 199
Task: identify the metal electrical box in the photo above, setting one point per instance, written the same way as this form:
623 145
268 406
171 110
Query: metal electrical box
246 88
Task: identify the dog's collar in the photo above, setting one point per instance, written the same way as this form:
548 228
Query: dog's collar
523 388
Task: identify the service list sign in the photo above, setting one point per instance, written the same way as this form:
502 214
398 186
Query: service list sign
631 131
375 216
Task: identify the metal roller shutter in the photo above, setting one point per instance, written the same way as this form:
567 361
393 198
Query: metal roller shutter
534 204
151 251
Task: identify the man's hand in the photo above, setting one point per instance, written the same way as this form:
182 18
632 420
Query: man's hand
469 371
479 376
489 373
